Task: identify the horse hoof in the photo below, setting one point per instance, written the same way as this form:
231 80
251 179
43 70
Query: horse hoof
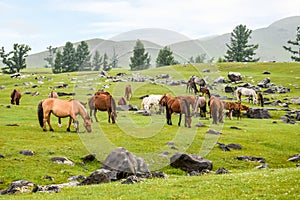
51 130
68 130
44 130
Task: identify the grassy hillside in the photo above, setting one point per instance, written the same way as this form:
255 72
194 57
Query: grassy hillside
147 137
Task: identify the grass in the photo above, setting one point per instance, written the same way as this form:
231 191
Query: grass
147 137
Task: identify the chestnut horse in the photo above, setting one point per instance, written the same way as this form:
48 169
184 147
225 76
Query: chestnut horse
260 99
233 106
15 97
63 108
176 105
200 102
103 101
128 92
216 109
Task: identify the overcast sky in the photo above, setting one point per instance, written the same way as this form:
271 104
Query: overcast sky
41 23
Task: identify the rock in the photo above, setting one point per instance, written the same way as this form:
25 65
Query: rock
89 158
235 127
200 124
125 163
264 83
1 156
62 160
132 179
190 162
234 146
20 186
53 187
266 72
48 177
258 113
222 170
263 166
295 158
100 176
229 89
251 158
159 175
223 146
234 76
26 152
76 178
211 131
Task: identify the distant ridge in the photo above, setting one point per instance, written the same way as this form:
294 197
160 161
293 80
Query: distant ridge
270 40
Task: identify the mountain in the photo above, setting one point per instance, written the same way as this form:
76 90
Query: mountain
270 40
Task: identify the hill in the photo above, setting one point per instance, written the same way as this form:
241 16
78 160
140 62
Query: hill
270 40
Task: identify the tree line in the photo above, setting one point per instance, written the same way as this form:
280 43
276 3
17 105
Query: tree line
69 58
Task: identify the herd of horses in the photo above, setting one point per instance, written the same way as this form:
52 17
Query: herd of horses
103 101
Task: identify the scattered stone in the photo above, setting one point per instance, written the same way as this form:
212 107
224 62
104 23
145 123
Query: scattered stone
200 124
100 176
258 113
131 180
77 178
287 120
234 76
223 146
295 158
263 166
159 175
222 170
235 127
17 187
89 158
234 146
229 89
53 187
190 162
251 158
206 70
48 177
8 106
27 152
210 131
62 160
264 83
2 87
1 156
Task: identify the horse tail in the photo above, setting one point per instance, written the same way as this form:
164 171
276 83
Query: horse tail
41 113
113 106
186 108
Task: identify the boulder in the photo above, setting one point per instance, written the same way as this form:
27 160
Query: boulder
19 186
100 176
229 89
190 162
251 158
125 163
258 113
27 152
234 76
62 160
264 83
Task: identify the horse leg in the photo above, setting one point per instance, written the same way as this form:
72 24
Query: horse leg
95 112
17 101
59 122
179 122
69 125
109 115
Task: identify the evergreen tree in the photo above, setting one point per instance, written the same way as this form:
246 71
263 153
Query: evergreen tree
296 43
83 57
239 50
114 59
69 58
105 65
191 60
14 60
165 57
200 58
140 59
58 63
97 61
50 58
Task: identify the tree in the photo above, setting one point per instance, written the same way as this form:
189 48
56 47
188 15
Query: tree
200 58
97 61
105 65
83 57
114 59
14 60
239 50
69 58
296 53
50 58
58 63
165 57
140 59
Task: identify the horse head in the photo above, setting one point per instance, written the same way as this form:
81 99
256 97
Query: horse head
88 123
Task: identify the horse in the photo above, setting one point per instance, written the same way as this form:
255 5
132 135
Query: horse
205 92
200 102
128 92
233 106
260 99
199 81
53 94
246 92
216 110
152 101
15 97
191 86
122 101
103 101
176 105
63 108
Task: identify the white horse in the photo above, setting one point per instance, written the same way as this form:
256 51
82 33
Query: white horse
152 101
250 93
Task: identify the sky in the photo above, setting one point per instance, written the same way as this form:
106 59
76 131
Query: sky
44 23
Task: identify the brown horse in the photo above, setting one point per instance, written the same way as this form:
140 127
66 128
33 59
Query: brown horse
190 99
191 86
122 101
260 99
233 106
15 97
216 109
205 92
176 105
63 108
128 92
103 101
200 102
53 94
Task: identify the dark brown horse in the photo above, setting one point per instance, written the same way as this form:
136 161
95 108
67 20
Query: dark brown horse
176 105
103 101
15 97
63 108
260 99
216 109
128 92
205 92
191 86
233 106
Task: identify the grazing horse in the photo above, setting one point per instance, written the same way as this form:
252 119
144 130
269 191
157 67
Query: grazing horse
53 94
176 105
128 92
103 101
15 97
191 86
216 109
122 101
250 93
152 101
205 92
233 106
260 99
200 102
63 108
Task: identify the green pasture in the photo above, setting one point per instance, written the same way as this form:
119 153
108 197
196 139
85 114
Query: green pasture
147 137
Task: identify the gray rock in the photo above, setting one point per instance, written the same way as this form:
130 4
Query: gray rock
258 113
100 176
19 186
62 160
27 152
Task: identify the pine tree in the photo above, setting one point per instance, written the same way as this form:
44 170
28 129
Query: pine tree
114 59
165 57
296 43
106 66
50 59
58 63
69 58
239 50
97 61
83 57
140 59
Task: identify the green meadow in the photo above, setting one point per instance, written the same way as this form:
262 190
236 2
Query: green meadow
147 137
